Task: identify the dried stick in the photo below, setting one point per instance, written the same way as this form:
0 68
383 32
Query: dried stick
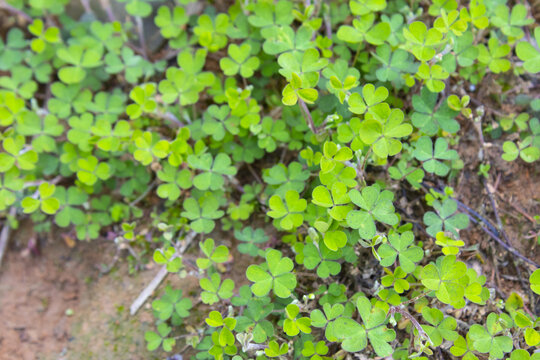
254 173
106 5
503 244
87 8
148 290
495 211
466 209
491 230
518 208
15 11
307 114
142 40
501 229
143 195
328 25
407 315
54 181
4 235
152 286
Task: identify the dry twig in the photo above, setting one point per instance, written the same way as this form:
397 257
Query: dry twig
4 235
307 114
152 286
15 11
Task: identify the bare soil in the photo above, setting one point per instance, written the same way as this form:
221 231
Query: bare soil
56 305
515 188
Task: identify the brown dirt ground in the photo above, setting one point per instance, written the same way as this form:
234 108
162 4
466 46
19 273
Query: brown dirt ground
516 190
37 291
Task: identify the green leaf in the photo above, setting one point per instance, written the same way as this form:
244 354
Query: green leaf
337 200
211 32
214 255
401 246
371 97
412 174
289 214
432 157
433 76
396 279
445 218
213 170
214 289
493 55
381 128
320 257
422 41
174 181
293 326
355 335
239 61
485 339
530 54
394 64
440 327
202 213
511 23
142 96
463 347
364 29
275 350
335 240
279 279
172 304
250 238
534 280
153 340
374 205
170 24
429 120
283 178
363 7
446 278
90 170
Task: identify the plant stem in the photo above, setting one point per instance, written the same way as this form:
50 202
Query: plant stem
307 115
417 297
362 169
357 54
328 25
490 230
143 195
106 5
254 173
495 211
140 29
503 244
87 8
152 286
406 314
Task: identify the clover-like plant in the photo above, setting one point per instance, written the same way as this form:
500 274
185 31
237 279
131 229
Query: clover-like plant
289 214
307 139
374 205
276 277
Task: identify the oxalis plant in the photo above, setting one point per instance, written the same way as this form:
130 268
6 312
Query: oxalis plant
294 128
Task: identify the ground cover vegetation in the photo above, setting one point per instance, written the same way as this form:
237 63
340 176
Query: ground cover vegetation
290 126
